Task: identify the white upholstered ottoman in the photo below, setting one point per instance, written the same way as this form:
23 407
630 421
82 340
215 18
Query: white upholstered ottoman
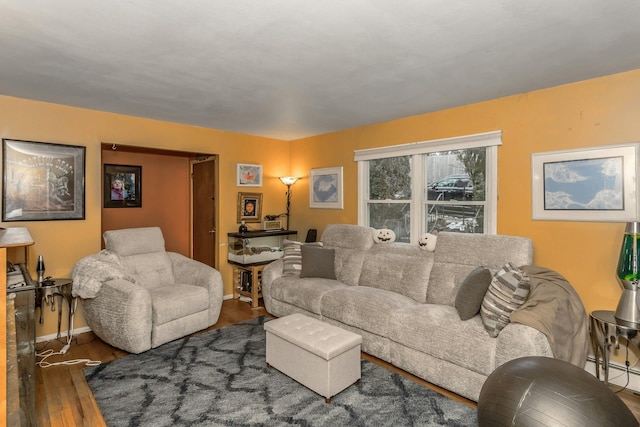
320 356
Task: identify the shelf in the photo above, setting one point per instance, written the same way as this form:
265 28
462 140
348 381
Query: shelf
256 282
262 233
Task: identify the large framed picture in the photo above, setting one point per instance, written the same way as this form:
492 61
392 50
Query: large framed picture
122 186
248 175
596 184
42 181
249 207
325 188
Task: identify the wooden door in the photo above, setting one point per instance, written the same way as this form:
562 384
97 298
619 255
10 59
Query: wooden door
203 210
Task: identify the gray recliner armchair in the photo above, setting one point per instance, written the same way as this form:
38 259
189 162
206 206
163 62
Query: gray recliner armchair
136 296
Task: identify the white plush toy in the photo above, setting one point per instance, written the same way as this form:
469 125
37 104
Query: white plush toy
428 242
384 235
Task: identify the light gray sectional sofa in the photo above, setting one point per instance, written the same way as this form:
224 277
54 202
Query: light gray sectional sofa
400 299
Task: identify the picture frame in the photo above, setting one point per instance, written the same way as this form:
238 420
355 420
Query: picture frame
248 175
325 188
42 181
122 186
249 207
596 184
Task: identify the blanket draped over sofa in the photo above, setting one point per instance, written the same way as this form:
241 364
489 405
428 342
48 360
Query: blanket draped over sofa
401 300
554 308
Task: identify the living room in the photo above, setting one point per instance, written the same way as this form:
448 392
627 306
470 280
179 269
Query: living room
590 113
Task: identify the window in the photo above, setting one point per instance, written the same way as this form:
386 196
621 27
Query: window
441 185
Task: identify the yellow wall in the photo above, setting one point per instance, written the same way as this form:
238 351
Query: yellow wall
591 113
63 243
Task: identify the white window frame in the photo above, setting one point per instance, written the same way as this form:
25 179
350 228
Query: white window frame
489 140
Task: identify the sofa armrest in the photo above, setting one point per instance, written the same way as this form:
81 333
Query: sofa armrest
517 340
270 273
191 272
121 314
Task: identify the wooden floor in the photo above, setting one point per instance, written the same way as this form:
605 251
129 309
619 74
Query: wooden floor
63 397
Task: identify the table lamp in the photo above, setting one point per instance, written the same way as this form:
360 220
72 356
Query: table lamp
629 274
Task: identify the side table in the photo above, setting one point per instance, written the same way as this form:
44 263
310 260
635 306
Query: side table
606 331
256 282
61 288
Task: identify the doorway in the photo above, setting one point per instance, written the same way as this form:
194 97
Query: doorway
203 210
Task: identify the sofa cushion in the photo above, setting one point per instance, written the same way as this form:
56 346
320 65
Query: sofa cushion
364 307
305 293
398 267
437 331
177 301
508 290
457 254
318 262
471 293
150 270
350 243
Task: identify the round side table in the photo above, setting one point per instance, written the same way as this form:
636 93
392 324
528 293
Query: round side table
606 331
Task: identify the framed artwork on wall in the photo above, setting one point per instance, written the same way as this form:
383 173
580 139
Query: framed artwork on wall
248 175
595 184
325 188
249 207
42 181
122 186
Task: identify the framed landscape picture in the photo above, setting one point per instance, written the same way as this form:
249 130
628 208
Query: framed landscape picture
325 188
42 181
596 184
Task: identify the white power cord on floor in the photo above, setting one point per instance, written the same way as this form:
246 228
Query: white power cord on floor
48 353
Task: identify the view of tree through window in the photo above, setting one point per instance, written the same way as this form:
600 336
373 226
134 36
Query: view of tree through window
390 195
451 196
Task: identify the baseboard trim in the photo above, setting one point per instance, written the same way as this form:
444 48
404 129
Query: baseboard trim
617 374
51 337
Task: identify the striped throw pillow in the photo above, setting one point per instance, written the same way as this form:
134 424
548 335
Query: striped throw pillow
508 290
292 256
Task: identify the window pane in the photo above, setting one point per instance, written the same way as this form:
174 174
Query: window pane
394 216
457 175
459 218
390 179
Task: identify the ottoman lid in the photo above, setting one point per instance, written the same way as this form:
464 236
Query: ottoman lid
315 336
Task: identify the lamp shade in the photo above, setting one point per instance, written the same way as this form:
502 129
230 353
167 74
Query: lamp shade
288 180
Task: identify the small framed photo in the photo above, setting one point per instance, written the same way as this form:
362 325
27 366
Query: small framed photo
248 175
274 225
43 181
325 188
122 186
596 184
249 207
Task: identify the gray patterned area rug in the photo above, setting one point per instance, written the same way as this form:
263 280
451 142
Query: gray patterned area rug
220 378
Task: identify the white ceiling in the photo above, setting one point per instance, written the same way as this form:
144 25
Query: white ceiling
293 68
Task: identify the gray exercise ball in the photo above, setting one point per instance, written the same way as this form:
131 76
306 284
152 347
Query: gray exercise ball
542 391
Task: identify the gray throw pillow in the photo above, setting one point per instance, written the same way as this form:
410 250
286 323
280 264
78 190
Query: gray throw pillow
508 290
471 293
318 262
